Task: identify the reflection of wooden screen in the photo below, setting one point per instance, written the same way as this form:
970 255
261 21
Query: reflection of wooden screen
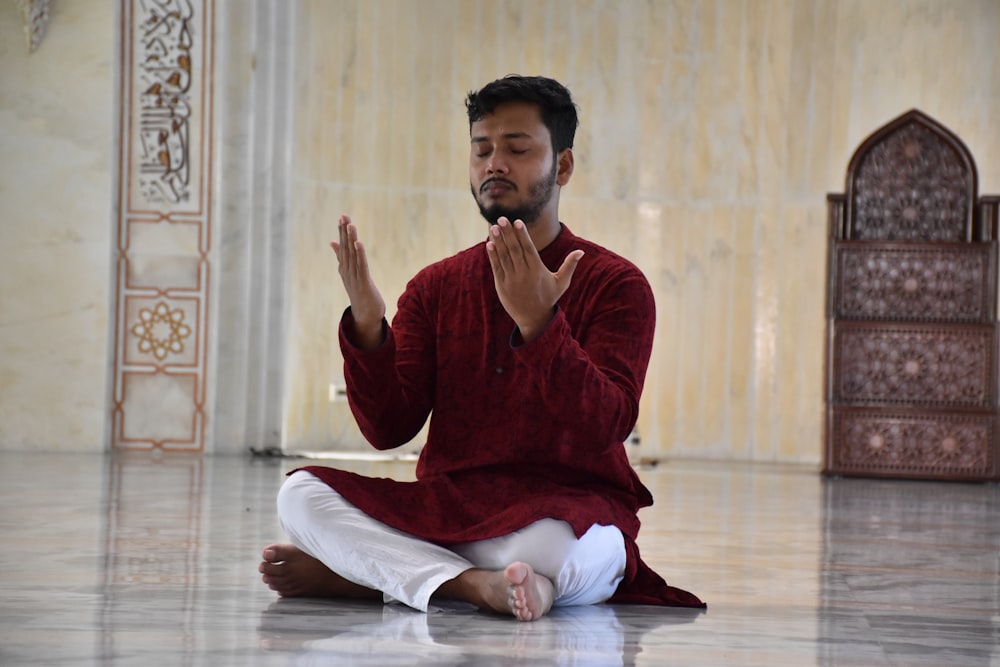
911 368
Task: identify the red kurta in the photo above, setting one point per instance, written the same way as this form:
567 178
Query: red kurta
519 432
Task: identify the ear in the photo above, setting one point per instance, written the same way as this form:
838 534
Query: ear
564 167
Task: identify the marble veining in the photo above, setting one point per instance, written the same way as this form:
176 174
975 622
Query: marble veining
143 560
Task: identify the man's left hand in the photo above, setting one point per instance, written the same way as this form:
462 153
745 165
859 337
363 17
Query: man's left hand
527 289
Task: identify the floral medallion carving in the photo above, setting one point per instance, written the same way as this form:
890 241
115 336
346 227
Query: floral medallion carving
936 445
161 331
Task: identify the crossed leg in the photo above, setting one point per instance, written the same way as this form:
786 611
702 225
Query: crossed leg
291 572
516 590
339 551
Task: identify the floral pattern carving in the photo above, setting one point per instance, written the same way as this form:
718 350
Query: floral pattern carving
911 186
161 331
923 283
935 445
932 367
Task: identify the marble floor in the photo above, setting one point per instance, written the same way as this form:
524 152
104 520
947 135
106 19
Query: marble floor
142 560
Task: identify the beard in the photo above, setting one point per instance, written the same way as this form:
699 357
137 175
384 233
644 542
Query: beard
539 194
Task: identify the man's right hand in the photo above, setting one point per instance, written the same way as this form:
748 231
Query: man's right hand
367 305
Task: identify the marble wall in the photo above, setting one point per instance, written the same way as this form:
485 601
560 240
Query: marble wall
55 234
711 132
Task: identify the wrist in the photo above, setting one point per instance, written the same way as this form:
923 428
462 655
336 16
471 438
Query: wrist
533 329
368 334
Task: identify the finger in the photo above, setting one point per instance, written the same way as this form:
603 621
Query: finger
361 265
500 245
344 243
566 270
491 253
511 234
525 250
349 247
352 250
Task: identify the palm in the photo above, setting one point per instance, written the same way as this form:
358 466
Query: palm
367 304
526 288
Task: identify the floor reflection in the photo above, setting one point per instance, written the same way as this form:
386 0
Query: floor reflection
358 633
152 541
911 570
146 560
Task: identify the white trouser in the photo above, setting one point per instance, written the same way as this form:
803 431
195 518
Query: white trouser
321 523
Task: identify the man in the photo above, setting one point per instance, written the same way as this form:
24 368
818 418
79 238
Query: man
529 352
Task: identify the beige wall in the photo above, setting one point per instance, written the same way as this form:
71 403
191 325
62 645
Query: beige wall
711 133
55 227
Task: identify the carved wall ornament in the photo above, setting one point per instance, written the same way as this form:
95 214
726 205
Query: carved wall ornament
164 227
912 335
164 59
901 366
895 282
912 186
914 444
36 20
161 331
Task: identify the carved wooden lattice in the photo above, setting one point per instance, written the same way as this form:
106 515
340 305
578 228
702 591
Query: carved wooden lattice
912 337
926 284
915 444
911 186
930 367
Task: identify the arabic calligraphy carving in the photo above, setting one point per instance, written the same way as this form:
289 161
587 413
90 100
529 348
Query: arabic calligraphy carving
164 67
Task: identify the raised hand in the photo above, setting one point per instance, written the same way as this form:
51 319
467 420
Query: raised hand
527 289
367 305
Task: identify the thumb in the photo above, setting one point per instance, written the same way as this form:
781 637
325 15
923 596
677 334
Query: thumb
565 273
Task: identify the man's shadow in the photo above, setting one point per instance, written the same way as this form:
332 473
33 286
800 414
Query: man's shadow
362 633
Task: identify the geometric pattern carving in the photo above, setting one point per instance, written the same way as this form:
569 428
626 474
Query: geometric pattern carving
927 283
889 365
929 445
161 330
911 372
911 186
163 238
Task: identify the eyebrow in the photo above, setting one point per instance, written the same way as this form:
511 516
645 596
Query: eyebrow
508 135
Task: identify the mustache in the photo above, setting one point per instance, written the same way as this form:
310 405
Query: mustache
497 179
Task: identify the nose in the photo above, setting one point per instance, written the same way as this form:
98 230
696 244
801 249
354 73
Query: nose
496 165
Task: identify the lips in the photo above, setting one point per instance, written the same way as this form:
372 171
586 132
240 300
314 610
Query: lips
496 186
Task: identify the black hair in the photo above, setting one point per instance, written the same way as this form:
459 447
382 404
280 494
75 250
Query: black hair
553 99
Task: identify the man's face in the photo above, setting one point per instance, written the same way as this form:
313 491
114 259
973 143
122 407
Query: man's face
512 171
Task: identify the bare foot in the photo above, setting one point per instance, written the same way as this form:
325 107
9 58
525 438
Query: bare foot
530 593
516 590
291 572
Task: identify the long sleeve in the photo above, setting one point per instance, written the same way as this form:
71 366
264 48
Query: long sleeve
592 374
561 404
518 431
390 400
